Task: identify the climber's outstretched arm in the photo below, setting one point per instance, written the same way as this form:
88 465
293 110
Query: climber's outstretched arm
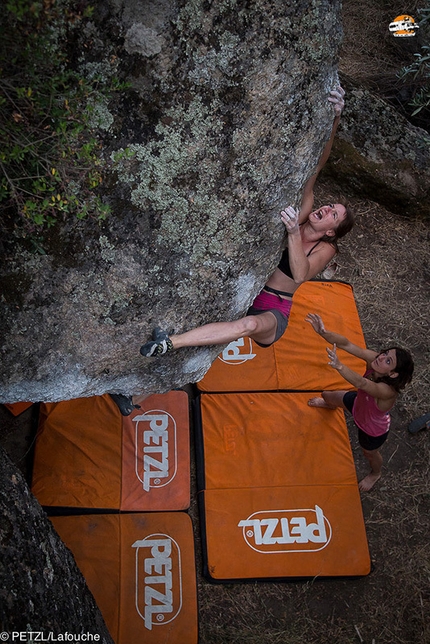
336 97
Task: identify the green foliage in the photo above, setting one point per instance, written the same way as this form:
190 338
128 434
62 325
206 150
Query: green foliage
419 70
50 156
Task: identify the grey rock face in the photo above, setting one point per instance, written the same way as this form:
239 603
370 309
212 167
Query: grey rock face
228 120
378 154
42 589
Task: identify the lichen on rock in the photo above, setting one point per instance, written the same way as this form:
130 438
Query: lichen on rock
142 40
224 121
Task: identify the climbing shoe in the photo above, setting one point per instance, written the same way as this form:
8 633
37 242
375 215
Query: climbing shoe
158 346
124 404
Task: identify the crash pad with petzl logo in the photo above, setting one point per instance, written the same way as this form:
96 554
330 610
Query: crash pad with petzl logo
278 491
298 360
90 456
140 568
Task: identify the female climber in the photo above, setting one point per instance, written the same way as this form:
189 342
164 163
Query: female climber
386 374
312 244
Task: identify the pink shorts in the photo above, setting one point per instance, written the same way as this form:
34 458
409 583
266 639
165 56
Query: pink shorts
266 301
274 304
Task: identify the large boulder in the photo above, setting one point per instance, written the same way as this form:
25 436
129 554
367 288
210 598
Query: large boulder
226 120
42 590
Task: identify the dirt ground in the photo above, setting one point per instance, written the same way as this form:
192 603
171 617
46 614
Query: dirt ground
386 259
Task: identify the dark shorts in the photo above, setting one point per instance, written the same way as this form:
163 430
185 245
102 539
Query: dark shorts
366 441
348 400
281 319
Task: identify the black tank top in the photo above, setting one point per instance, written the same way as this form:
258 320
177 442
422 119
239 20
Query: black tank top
284 264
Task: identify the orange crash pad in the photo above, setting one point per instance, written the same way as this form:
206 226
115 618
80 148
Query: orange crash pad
278 489
287 532
89 456
298 361
141 571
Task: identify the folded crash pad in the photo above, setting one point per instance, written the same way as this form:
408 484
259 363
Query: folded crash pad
277 489
298 360
140 568
90 456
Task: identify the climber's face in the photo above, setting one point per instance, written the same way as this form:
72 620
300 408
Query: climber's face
327 218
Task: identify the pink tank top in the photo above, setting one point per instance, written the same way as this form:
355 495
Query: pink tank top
367 414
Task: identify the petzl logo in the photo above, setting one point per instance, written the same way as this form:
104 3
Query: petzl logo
281 531
238 351
156 458
158 580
